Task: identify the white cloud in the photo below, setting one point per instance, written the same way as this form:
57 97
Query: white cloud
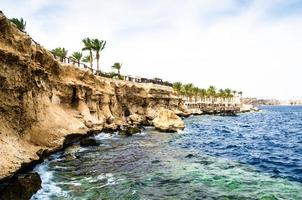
227 43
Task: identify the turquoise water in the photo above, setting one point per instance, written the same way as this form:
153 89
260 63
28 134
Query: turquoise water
252 156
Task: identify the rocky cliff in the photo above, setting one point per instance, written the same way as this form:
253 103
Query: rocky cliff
43 101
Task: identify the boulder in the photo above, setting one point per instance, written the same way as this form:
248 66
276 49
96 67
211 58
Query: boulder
189 155
182 114
90 141
71 151
130 130
168 121
146 122
135 119
22 187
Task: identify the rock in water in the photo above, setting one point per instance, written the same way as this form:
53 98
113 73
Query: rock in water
168 121
130 130
22 187
189 155
90 141
70 152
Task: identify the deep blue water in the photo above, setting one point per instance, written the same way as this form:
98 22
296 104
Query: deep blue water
270 140
254 156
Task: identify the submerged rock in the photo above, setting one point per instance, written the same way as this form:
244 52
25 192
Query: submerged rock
70 152
189 155
22 187
228 114
90 141
155 161
168 121
130 130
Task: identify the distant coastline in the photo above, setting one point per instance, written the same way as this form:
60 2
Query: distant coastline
271 102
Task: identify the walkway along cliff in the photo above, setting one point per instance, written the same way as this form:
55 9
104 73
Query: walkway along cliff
43 101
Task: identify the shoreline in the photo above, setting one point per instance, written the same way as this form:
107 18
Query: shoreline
77 137
7 183
151 141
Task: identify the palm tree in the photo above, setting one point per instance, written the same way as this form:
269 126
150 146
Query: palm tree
97 46
183 91
202 93
234 94
118 67
88 47
195 92
64 53
177 86
86 59
228 93
77 56
221 94
240 94
57 52
20 23
211 91
188 90
60 52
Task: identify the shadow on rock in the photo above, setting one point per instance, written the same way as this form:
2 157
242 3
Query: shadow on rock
22 187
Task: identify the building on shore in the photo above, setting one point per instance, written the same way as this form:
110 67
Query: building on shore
213 105
137 79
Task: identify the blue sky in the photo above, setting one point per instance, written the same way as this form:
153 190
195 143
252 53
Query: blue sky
249 45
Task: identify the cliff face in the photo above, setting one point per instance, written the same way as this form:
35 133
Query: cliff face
43 101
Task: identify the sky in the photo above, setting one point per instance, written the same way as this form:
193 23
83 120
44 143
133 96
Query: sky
254 46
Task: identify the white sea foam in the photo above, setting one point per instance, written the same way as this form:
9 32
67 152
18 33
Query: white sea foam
109 178
49 187
103 136
141 133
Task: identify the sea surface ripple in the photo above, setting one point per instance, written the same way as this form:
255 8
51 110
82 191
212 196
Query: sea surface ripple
252 156
270 140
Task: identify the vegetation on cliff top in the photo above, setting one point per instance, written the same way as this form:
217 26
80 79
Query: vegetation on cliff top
77 56
92 46
61 52
97 46
20 23
117 66
193 92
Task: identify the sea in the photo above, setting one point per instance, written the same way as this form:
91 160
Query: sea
250 156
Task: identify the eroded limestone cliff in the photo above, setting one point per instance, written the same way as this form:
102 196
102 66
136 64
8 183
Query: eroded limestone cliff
43 101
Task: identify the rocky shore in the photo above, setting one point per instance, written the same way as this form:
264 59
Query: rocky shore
44 103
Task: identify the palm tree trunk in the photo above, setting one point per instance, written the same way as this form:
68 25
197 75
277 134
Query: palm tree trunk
97 60
90 58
